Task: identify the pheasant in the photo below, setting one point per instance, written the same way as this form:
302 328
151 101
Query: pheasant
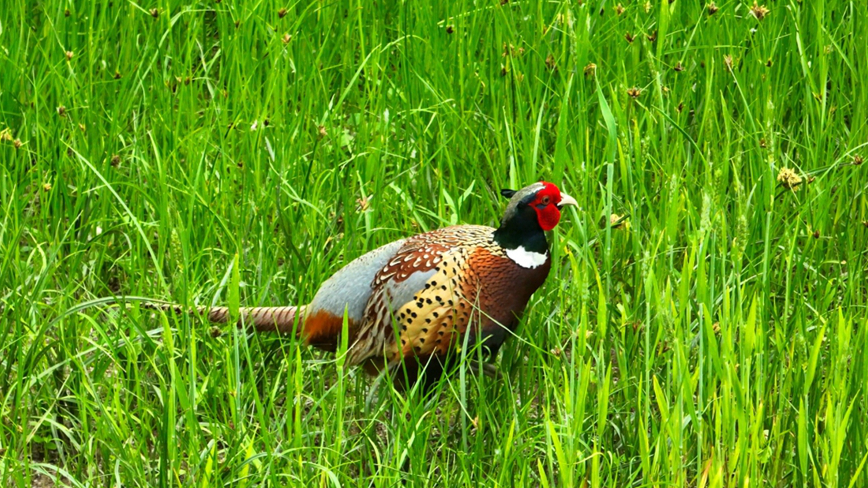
412 302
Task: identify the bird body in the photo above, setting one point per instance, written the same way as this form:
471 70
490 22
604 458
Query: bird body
416 299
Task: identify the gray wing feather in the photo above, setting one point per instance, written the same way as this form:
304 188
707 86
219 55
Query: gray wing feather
350 287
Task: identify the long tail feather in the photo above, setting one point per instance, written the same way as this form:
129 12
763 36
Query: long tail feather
263 319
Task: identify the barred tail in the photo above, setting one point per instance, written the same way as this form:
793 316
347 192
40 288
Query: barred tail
263 319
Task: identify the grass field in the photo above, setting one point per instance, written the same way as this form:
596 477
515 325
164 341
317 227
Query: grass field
704 324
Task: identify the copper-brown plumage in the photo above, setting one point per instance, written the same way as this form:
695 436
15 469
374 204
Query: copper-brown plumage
414 300
262 319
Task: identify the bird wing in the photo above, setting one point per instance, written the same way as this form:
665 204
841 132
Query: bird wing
349 290
425 292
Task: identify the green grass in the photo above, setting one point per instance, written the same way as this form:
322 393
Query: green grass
715 338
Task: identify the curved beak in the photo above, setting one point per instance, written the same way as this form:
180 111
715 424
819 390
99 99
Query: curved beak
567 200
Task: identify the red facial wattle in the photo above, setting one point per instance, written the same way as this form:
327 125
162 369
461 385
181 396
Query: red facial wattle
546 206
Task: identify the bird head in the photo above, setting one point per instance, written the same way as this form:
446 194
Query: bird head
539 203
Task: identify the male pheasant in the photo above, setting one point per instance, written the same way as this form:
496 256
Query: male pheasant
411 302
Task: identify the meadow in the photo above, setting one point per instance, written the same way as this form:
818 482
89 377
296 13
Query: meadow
704 323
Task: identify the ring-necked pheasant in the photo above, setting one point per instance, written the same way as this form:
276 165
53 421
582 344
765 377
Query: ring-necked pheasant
414 299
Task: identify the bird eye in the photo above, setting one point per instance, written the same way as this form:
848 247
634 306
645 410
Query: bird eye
545 200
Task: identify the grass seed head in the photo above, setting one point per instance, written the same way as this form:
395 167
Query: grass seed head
550 62
286 38
61 110
629 37
727 61
5 135
647 7
450 29
678 67
712 8
155 13
618 221
652 37
590 70
67 13
789 179
116 160
46 186
857 160
17 143
759 11
69 55
363 204
634 92
510 50
619 9
281 13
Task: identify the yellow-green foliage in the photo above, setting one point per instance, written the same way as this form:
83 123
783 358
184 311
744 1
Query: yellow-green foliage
704 324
